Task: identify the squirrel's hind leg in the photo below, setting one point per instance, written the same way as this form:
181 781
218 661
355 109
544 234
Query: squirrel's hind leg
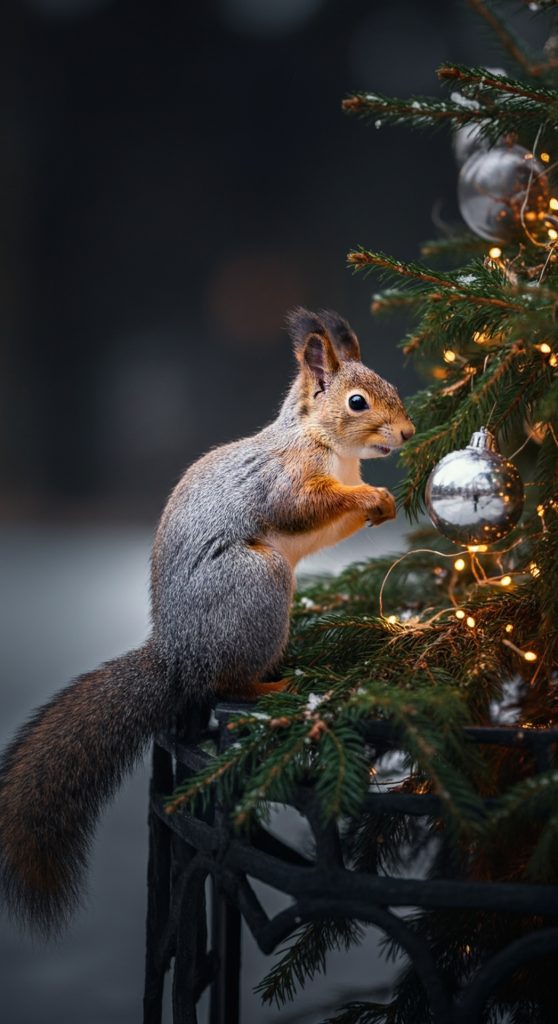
234 624
254 690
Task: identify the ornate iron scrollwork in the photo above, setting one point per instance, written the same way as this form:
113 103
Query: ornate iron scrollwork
187 850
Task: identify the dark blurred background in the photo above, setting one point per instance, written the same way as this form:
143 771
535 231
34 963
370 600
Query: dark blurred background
173 177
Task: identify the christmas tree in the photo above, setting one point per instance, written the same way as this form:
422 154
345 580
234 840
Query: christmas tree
460 631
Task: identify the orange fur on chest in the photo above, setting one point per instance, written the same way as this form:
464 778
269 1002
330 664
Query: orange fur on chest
294 546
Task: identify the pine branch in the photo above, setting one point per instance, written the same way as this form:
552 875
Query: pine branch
364 1013
454 245
483 80
444 285
509 42
306 956
494 114
394 299
422 111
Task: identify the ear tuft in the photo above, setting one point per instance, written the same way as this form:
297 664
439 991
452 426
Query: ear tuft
313 346
344 338
300 323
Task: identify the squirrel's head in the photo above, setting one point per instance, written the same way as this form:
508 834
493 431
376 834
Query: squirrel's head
347 406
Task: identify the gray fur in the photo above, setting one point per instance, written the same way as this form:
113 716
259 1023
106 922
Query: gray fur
219 608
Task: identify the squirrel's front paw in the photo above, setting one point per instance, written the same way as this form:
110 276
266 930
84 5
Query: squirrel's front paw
380 506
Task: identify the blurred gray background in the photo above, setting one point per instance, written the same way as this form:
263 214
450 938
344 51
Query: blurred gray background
173 177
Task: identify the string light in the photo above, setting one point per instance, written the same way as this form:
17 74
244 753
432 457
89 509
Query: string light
544 347
460 614
480 337
471 622
505 581
495 252
553 361
509 627
553 203
449 354
552 234
459 564
476 548
526 655
392 619
545 157
534 569
540 510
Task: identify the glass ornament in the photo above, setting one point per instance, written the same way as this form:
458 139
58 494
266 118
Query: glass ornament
475 496
492 189
468 138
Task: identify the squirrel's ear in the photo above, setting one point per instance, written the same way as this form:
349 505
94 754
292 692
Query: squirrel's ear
300 323
344 339
313 346
319 358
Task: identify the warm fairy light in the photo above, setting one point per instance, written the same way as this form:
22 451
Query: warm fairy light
505 581
459 564
471 622
480 337
544 347
534 569
509 627
526 655
474 548
449 356
552 234
392 619
540 510
460 614
545 157
495 252
553 203
553 361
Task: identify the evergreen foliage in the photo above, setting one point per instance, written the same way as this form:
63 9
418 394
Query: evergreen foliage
382 640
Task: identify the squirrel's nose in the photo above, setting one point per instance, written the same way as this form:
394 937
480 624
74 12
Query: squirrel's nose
406 434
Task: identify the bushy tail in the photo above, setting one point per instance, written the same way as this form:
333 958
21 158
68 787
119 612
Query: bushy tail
59 770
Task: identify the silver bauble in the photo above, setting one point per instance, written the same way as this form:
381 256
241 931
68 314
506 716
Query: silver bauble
492 187
468 138
475 495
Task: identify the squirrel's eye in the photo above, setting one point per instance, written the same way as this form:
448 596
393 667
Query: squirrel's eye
358 403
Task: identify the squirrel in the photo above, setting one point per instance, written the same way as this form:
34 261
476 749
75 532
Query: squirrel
222 581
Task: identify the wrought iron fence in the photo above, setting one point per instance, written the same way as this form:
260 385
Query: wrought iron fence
186 850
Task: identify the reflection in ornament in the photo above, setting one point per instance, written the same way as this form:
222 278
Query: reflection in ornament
475 496
497 187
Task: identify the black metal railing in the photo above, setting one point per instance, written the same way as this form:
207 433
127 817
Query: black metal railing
187 851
